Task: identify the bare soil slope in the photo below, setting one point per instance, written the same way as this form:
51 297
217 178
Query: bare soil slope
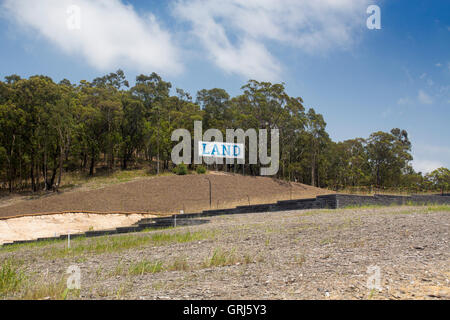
167 194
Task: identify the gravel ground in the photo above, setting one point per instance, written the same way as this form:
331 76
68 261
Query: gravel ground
312 254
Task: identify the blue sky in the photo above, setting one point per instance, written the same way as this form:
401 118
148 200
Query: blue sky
361 80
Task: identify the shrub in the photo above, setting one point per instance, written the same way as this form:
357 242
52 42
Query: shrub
181 169
201 170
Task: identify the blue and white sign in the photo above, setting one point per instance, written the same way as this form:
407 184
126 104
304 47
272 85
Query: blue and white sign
221 150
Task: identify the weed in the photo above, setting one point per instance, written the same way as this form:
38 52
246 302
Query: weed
221 258
300 259
11 279
144 267
39 290
326 241
179 264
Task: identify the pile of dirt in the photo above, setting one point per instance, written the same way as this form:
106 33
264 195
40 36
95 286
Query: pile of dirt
167 194
32 228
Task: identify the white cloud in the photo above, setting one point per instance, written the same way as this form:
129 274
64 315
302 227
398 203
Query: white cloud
403 101
427 78
438 64
426 166
235 33
428 157
112 34
424 98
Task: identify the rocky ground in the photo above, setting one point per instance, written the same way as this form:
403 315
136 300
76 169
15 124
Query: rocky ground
312 254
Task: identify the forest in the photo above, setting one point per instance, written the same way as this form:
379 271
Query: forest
48 129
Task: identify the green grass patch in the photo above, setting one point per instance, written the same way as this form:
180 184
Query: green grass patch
11 278
420 209
369 206
38 244
109 244
71 180
313 212
220 258
406 204
145 267
146 230
439 208
49 290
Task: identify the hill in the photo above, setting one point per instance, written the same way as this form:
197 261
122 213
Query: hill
167 194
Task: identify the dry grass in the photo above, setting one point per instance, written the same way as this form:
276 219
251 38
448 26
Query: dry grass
48 290
179 264
145 267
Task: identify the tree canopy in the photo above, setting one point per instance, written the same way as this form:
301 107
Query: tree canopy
49 128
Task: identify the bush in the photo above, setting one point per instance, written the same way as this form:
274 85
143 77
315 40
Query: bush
201 170
180 169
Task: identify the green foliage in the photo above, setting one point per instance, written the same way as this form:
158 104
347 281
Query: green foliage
10 277
200 170
221 258
145 267
48 129
181 169
439 179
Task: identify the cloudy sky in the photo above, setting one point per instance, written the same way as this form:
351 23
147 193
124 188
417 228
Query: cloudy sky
361 80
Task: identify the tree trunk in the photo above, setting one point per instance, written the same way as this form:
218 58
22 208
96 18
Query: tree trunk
85 160
61 154
44 169
313 170
125 162
52 180
33 184
10 177
91 168
38 176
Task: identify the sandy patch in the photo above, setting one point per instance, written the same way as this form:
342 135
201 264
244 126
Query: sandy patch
31 228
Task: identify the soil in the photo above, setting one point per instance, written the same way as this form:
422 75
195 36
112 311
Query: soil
32 228
311 254
166 194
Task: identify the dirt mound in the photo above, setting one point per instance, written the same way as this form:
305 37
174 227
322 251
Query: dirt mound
32 228
168 194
